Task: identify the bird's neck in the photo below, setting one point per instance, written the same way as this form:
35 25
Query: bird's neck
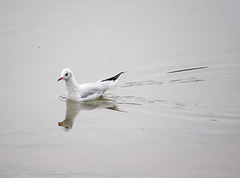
71 84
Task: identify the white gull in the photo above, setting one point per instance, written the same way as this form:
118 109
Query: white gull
87 91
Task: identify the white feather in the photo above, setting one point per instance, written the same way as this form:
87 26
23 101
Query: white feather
87 91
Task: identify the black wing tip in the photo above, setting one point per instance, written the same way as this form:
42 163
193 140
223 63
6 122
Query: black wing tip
114 77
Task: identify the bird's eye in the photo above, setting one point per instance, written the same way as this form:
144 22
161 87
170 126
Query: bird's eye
66 74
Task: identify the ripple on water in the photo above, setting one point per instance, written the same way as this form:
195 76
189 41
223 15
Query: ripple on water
186 79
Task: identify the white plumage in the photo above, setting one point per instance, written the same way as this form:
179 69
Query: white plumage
87 91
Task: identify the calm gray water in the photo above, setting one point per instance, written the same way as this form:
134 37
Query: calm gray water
176 113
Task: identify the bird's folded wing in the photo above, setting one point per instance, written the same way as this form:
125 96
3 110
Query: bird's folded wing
90 91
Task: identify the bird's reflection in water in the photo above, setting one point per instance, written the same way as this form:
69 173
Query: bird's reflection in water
74 107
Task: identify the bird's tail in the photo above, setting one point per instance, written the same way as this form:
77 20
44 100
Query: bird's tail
114 78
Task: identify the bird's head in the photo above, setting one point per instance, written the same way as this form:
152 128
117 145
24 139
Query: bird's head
65 74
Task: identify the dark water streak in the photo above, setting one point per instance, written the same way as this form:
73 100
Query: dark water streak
187 69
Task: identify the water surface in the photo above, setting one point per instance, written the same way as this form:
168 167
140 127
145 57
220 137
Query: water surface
174 114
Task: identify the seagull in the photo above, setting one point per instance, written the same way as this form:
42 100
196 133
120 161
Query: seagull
86 91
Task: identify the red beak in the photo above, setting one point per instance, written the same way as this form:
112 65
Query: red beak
60 78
